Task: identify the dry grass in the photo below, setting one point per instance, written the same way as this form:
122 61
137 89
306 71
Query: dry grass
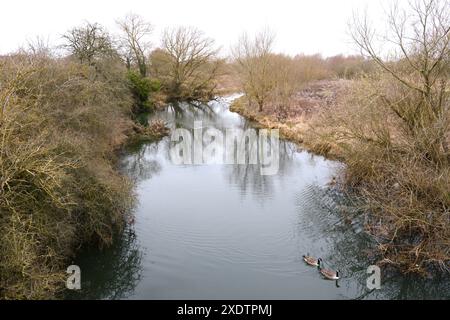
295 120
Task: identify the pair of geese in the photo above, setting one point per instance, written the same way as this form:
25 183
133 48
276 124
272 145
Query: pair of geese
329 274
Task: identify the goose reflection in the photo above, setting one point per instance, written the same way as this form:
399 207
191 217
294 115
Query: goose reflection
348 248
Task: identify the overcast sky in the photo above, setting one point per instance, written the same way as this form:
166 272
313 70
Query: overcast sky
301 26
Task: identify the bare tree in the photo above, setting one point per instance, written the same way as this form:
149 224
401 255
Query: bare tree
420 37
192 63
286 82
135 41
39 47
253 57
88 42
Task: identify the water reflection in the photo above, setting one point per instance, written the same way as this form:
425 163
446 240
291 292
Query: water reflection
343 245
111 273
248 177
139 163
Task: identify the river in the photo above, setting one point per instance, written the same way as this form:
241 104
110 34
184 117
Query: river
228 232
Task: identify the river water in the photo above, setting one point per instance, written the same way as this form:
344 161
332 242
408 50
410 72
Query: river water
227 232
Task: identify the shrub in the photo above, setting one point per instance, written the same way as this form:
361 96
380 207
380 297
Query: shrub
142 89
60 122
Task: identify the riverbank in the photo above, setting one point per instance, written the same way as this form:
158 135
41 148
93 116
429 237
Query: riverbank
403 197
300 119
62 124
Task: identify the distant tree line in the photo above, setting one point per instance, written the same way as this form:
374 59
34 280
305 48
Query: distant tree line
185 67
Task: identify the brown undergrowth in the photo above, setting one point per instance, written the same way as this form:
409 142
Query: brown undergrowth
60 123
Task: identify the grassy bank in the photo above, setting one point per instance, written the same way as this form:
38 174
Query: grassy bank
300 115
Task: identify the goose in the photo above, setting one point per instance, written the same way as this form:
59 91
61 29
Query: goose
312 261
333 182
329 274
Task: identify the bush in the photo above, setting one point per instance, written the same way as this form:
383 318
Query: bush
350 67
142 89
60 122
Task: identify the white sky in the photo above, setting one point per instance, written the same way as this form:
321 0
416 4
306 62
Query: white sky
301 26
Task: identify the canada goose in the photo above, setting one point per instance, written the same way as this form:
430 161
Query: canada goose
333 182
329 274
312 261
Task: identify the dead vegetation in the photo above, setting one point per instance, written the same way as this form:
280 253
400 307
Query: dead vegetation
295 119
155 130
395 137
406 193
58 186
